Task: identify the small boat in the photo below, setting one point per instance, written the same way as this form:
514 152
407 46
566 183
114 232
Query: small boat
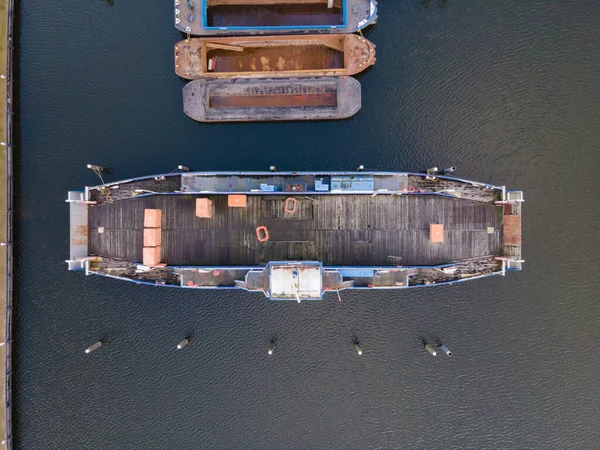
248 17
273 56
245 100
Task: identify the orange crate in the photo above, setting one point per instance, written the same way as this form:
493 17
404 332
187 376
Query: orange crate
204 208
152 237
436 232
152 218
151 256
236 201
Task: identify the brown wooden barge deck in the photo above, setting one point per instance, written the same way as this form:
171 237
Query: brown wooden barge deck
273 56
338 230
235 100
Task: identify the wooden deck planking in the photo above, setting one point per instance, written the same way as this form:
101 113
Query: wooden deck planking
336 229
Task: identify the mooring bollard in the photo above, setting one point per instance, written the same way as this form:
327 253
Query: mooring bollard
93 347
430 349
183 343
446 350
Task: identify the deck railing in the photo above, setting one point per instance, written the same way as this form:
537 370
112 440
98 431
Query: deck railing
8 239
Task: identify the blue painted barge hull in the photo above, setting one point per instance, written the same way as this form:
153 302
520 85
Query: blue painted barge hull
248 17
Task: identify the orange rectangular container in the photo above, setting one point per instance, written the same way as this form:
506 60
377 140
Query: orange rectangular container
151 256
152 237
152 218
204 208
236 201
436 232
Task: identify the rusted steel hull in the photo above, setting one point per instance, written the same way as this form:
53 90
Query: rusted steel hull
252 100
273 17
273 56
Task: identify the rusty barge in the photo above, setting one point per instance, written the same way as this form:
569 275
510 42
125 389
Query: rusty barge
251 100
251 17
295 235
273 56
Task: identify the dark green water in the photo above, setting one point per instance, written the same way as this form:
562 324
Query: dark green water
507 91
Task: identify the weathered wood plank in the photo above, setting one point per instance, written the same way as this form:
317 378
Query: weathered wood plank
334 229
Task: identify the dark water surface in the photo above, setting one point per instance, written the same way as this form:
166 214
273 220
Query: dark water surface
507 91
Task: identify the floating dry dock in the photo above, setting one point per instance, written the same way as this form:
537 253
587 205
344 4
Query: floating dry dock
273 56
295 235
268 100
230 17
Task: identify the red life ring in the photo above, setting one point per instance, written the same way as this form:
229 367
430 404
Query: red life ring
265 234
292 209
411 189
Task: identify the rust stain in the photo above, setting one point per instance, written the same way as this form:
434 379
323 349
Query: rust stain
273 100
81 230
79 235
512 230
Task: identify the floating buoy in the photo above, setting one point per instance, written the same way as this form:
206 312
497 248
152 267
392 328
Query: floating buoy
358 350
411 189
430 349
446 350
95 168
93 347
183 344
